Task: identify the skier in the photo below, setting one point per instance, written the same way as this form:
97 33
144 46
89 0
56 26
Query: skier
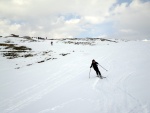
94 65
51 42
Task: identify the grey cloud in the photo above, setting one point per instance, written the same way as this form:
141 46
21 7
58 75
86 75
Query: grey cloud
51 17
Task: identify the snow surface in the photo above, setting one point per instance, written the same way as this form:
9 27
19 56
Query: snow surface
62 84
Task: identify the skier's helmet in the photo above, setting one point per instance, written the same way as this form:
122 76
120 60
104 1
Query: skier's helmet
93 60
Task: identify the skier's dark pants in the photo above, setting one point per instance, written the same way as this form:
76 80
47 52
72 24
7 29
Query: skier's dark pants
97 72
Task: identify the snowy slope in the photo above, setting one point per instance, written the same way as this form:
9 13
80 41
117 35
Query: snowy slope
61 84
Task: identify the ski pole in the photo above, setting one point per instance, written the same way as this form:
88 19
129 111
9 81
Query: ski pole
89 72
102 67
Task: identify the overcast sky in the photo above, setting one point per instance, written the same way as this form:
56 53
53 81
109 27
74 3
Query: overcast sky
128 19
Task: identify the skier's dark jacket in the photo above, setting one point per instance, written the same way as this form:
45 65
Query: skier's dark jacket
94 65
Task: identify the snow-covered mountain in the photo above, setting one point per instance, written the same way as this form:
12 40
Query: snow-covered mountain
37 77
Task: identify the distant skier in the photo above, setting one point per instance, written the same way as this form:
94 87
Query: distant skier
94 65
51 42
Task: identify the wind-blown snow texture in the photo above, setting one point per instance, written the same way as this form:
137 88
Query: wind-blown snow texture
55 79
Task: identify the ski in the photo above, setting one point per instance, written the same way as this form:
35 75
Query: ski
101 77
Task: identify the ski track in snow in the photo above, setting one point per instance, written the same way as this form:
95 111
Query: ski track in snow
110 92
37 91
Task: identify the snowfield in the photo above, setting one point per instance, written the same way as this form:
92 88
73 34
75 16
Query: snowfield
55 79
